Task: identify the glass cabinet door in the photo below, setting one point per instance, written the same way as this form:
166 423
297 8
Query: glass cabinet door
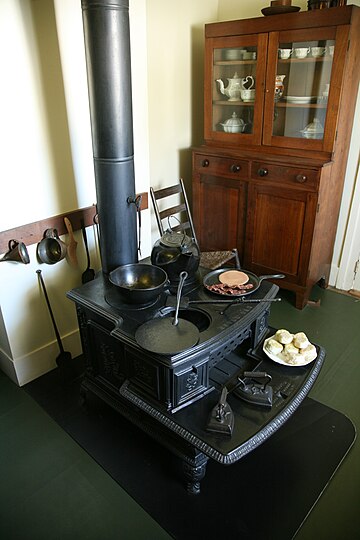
301 90
233 99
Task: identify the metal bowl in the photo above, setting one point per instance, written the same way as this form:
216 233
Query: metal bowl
139 283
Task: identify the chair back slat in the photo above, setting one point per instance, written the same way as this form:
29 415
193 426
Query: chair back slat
167 192
180 211
173 211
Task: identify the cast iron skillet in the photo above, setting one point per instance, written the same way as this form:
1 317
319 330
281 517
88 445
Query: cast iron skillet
213 278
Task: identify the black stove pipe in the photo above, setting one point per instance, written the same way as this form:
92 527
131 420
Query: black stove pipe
107 48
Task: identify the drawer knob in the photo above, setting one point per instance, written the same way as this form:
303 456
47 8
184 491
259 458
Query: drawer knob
263 172
301 178
205 163
235 168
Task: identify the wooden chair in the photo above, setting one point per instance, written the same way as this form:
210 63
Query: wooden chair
182 221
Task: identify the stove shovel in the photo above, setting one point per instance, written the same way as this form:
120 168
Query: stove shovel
64 359
221 417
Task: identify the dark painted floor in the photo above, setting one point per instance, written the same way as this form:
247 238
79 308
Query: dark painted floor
51 488
336 325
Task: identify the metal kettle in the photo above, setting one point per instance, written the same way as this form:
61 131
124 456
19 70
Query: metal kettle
176 252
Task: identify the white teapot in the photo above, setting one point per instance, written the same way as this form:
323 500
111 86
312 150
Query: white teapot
235 85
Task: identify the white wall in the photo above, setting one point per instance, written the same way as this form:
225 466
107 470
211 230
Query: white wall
175 45
37 180
229 10
48 170
347 243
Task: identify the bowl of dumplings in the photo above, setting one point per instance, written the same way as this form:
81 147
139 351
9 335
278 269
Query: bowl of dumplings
290 349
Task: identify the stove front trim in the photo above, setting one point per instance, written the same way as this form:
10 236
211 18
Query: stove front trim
266 431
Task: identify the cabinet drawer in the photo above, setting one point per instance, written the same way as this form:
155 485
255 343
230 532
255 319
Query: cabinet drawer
220 166
281 174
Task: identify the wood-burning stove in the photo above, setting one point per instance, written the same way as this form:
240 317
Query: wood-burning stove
108 326
171 397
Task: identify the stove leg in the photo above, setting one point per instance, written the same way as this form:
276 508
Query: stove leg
83 398
194 472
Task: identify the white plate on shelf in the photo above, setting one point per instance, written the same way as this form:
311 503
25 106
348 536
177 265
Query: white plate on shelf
300 100
233 54
279 358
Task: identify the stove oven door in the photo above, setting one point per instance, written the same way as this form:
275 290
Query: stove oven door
104 355
173 386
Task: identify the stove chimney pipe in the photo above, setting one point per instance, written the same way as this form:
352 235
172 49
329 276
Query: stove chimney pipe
107 48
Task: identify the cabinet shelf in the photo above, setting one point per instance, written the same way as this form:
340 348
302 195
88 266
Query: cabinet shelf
234 62
234 103
307 59
284 105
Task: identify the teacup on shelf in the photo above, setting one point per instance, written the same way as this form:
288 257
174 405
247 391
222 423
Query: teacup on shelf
301 52
317 51
284 54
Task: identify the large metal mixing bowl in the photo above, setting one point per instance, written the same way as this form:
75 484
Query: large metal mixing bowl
139 283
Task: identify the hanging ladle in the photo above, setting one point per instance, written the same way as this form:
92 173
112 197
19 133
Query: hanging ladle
168 335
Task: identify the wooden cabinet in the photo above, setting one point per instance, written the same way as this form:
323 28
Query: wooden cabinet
279 105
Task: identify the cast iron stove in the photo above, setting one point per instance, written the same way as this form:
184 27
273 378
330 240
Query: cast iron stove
171 397
108 328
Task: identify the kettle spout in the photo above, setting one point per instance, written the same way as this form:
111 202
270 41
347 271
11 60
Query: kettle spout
221 86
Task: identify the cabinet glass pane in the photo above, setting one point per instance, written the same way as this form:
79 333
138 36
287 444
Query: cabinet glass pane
234 89
302 88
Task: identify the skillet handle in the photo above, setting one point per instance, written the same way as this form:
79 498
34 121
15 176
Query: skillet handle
271 276
237 260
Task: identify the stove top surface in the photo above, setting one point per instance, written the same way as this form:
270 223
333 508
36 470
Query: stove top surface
103 298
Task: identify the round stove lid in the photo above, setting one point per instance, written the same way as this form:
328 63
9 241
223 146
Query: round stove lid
162 336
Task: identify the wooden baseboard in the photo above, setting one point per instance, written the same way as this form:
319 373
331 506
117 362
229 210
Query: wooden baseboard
352 292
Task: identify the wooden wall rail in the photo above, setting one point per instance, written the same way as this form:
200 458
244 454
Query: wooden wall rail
32 233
